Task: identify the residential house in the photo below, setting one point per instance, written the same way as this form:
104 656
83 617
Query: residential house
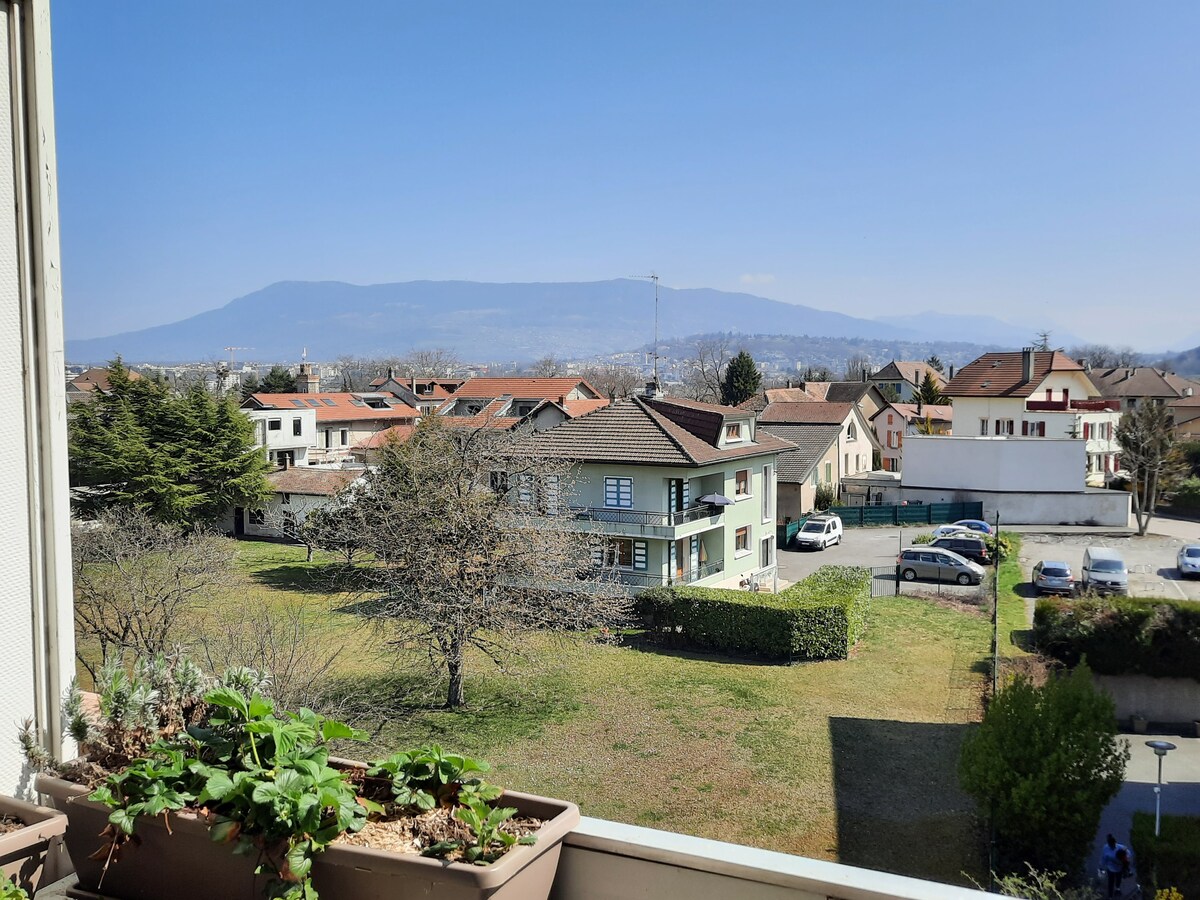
896 420
508 402
863 394
424 394
295 494
833 441
93 381
1185 414
1135 385
685 491
905 378
287 434
1037 394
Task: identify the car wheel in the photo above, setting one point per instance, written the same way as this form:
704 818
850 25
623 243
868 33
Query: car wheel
824 545
964 578
909 575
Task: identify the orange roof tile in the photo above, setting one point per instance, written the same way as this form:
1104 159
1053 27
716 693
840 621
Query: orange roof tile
333 407
523 388
397 433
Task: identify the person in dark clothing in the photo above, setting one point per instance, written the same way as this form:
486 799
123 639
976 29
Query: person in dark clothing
1114 860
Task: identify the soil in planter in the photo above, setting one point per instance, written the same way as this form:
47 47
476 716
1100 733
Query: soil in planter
411 834
9 824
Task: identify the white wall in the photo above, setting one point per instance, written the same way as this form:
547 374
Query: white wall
993 464
36 622
1090 507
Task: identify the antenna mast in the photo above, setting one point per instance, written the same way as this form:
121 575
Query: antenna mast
653 277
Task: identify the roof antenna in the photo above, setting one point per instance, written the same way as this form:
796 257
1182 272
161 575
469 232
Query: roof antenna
653 277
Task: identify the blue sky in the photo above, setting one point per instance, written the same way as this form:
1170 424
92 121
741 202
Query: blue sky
1034 161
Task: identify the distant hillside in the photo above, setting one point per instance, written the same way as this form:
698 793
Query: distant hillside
951 326
478 321
1186 363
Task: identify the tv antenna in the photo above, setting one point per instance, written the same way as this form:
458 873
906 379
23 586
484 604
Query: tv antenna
653 277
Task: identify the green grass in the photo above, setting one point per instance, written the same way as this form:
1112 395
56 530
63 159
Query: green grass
852 760
1013 618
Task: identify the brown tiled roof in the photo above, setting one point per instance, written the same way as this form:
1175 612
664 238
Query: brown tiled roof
935 412
813 412
1000 374
577 408
523 388
811 391
310 481
908 370
1140 381
812 442
96 379
341 409
704 420
399 433
635 431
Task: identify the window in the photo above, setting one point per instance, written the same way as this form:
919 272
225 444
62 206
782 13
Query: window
345 435
328 438
328 402
499 482
733 432
618 492
741 540
1087 431
297 427
851 432
274 424
1004 426
889 418
846 463
983 426
299 403
287 500
767 556
314 403
622 553
1049 394
256 517
741 483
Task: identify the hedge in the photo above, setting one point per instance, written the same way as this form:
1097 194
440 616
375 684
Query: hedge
1171 860
820 617
1121 635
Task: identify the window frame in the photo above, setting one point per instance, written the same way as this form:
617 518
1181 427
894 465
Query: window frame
733 432
741 541
274 424
738 482
297 427
618 492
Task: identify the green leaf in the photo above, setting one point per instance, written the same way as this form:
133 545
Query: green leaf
298 860
218 785
123 819
331 730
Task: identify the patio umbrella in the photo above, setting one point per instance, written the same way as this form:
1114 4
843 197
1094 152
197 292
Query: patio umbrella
716 500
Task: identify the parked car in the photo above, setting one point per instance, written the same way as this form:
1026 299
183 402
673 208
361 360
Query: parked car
975 525
819 532
1104 571
937 565
944 530
1189 560
1053 577
965 544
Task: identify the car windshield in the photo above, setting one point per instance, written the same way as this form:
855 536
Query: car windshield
1055 572
1108 565
813 526
1192 552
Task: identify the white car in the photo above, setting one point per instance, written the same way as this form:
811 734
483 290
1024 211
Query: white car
947 530
818 533
1189 560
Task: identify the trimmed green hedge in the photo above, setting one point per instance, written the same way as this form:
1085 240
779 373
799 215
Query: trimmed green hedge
820 617
1171 860
1121 635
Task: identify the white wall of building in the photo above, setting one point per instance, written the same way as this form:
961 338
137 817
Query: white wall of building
36 620
1094 506
284 438
994 464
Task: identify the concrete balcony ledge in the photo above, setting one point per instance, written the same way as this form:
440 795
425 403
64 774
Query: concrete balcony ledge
605 860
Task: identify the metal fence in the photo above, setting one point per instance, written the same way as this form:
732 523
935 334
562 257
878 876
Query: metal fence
885 581
910 514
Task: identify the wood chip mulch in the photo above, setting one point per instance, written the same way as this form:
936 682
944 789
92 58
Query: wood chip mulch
9 824
412 834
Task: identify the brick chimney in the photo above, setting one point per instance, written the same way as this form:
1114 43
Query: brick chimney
1026 364
308 380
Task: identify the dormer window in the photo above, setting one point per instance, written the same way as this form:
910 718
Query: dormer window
733 432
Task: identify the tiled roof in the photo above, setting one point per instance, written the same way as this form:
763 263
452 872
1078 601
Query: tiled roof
332 407
812 442
310 481
813 412
399 433
524 388
909 411
1140 381
577 408
1000 374
96 379
908 370
493 415
637 432
811 391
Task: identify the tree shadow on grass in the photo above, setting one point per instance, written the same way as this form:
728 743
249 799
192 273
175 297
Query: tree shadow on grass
313 578
637 640
899 806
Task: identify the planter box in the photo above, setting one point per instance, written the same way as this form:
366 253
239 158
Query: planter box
185 864
23 852
58 791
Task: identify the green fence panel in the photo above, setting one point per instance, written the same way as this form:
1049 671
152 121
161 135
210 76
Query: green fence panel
879 515
910 514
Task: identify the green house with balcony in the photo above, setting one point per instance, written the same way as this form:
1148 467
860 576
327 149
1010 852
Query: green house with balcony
684 492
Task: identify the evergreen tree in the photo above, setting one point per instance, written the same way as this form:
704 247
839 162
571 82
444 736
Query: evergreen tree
278 381
929 393
742 380
184 460
934 362
250 385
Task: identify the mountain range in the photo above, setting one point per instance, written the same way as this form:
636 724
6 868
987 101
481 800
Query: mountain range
484 321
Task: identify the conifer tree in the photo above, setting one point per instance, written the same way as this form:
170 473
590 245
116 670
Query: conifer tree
929 393
250 385
742 380
278 381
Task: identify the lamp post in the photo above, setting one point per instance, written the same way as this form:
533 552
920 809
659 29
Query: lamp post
1160 748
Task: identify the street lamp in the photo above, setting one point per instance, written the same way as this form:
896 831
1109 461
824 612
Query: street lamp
1160 749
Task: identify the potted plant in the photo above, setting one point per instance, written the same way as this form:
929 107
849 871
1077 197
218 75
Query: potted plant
302 823
26 831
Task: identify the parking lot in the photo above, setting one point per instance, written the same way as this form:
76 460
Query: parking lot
1151 559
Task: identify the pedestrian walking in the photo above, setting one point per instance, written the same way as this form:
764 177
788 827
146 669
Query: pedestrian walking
1114 860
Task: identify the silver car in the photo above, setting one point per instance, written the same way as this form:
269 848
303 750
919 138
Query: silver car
937 565
1189 560
1052 577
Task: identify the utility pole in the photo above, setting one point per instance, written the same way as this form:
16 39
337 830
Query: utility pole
653 277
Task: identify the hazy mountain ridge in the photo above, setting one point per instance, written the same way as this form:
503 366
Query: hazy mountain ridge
518 321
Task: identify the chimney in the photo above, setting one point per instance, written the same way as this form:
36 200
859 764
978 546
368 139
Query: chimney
951 378
653 390
283 460
391 374
308 380
1026 364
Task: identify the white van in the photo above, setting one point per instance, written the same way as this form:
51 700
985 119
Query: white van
819 532
1104 572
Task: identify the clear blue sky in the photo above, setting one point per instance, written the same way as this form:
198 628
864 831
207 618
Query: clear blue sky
1036 161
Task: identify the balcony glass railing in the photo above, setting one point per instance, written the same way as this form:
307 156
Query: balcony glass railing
643 516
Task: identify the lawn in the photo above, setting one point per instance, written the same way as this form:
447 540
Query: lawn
852 760
1014 617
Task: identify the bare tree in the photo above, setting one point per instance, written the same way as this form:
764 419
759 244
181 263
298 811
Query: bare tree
704 370
1147 441
1041 342
136 579
858 367
436 363
357 373
547 367
613 380
340 526
468 552
817 373
1105 356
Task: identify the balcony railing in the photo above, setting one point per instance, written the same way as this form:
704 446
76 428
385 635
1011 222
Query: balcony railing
646 579
1073 405
643 516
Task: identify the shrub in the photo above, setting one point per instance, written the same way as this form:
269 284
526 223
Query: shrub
1044 763
1171 860
1121 635
1187 494
923 538
825 496
820 617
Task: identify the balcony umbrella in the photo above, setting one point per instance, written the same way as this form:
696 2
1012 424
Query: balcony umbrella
716 500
